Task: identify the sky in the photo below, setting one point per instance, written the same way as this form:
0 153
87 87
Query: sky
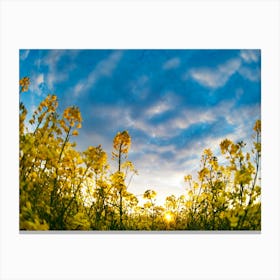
173 103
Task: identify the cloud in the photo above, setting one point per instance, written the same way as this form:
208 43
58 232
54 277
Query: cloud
250 56
183 119
78 88
159 108
160 132
38 85
107 66
252 74
187 117
215 77
53 57
244 118
104 68
39 79
56 77
171 63
24 54
111 116
140 87
51 60
166 102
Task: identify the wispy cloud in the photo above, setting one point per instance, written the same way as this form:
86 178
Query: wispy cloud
252 74
38 84
244 118
24 54
179 120
158 109
39 79
168 102
139 88
104 68
171 63
51 61
250 55
53 57
215 77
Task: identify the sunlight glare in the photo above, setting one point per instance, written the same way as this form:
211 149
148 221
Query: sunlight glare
168 217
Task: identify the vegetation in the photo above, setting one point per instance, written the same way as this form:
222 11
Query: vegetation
63 189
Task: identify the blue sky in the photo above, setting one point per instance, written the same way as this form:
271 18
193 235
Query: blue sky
174 103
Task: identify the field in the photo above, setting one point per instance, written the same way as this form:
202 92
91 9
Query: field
64 186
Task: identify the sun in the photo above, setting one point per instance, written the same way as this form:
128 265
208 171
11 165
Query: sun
168 217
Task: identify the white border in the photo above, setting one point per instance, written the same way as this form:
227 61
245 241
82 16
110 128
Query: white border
143 24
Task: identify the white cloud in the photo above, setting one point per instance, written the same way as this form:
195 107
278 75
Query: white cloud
113 114
244 119
185 118
51 61
171 63
167 103
39 79
53 58
140 87
54 77
107 66
24 54
36 80
251 74
168 129
215 77
78 88
158 109
104 68
191 116
249 55
173 126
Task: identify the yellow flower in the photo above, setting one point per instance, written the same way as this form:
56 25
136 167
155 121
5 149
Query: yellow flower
188 178
208 152
222 215
24 84
258 126
233 221
33 175
75 133
189 204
